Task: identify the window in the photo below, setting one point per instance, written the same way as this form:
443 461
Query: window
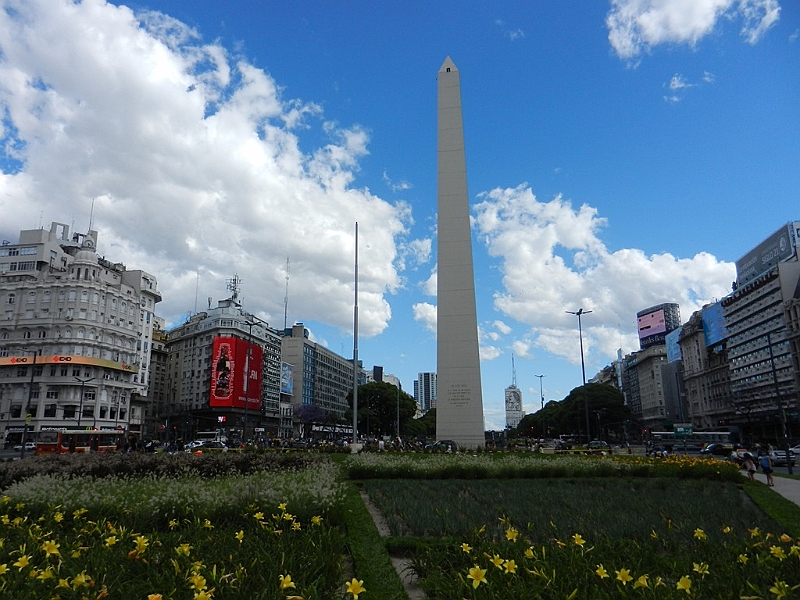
26 335
22 371
11 298
16 411
31 297
76 371
42 334
69 411
50 410
52 394
64 371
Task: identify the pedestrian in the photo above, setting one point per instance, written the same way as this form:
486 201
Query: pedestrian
750 465
766 465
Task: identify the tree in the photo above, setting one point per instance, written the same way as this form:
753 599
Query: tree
378 408
308 414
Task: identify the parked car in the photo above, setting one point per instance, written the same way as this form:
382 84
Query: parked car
795 449
779 458
717 449
28 446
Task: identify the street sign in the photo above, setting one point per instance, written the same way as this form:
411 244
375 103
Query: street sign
682 429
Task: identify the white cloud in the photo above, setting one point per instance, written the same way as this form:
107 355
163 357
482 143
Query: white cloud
396 186
635 26
194 160
553 261
502 327
430 285
425 313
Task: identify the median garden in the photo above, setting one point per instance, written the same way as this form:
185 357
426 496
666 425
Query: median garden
291 525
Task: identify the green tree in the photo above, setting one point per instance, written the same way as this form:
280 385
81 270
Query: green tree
378 403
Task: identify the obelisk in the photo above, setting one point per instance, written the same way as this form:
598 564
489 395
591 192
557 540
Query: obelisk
459 401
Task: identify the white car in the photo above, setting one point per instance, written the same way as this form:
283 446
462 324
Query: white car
28 446
795 450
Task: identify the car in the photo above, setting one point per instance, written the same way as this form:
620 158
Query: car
779 458
717 449
795 449
740 455
28 446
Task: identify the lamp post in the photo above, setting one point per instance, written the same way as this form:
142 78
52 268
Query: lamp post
28 405
781 410
398 412
580 312
80 406
541 392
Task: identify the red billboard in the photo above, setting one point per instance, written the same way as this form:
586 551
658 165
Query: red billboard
234 371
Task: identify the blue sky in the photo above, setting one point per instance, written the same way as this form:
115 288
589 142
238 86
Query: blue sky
619 154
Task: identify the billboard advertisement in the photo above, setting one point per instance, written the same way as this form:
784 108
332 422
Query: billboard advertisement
776 248
673 347
714 324
651 324
287 379
68 359
234 375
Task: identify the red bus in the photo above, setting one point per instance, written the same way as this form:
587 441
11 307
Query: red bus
66 441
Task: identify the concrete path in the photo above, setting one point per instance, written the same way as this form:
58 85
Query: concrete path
786 486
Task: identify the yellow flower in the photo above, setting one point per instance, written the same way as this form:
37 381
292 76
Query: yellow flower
295 526
684 583
511 534
755 532
477 575
529 552
58 517
743 559
316 520
154 597
641 582
282 506
781 589
111 540
46 574
624 576
207 524
259 516
79 513
578 540
23 562
82 580
197 582
240 535
173 523
700 535
183 549
601 572
726 530
203 595
63 583
141 544
466 547
653 534
785 538
50 548
510 566
3 568
701 568
355 587
777 552
286 581
497 561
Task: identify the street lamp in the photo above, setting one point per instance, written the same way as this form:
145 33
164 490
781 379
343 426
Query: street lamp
80 407
781 409
580 312
28 405
541 393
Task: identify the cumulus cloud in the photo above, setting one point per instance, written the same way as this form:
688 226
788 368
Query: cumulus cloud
635 26
552 260
425 313
193 159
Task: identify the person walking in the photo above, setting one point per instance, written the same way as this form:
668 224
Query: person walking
765 461
750 465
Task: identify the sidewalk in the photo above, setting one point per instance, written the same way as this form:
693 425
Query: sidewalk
785 486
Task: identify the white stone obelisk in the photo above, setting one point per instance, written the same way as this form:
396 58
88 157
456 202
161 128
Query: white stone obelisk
459 401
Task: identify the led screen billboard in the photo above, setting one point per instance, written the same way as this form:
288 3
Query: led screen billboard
235 375
714 329
673 347
652 324
287 379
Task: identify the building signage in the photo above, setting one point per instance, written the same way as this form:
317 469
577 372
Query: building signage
64 359
287 378
776 248
236 373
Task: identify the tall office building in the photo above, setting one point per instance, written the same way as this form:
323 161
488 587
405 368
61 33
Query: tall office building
459 408
656 322
425 391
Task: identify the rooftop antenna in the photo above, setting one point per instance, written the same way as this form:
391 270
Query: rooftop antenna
286 295
513 372
233 285
196 289
91 216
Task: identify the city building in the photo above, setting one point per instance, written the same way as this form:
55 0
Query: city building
643 386
320 378
425 391
656 322
75 336
224 375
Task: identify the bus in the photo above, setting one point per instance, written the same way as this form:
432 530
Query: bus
67 441
694 440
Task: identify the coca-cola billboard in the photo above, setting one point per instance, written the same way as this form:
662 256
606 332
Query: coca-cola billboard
236 376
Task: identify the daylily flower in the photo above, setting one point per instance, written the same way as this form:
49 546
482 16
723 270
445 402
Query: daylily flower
466 547
641 582
286 581
207 524
183 549
258 516
111 540
781 589
726 530
197 582
529 552
511 534
777 552
578 540
282 506
240 535
497 561
510 566
173 523
700 535
155 597
785 538
356 587
477 575
316 520
684 583
601 572
82 580
624 576
743 559
50 548
701 568
23 562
